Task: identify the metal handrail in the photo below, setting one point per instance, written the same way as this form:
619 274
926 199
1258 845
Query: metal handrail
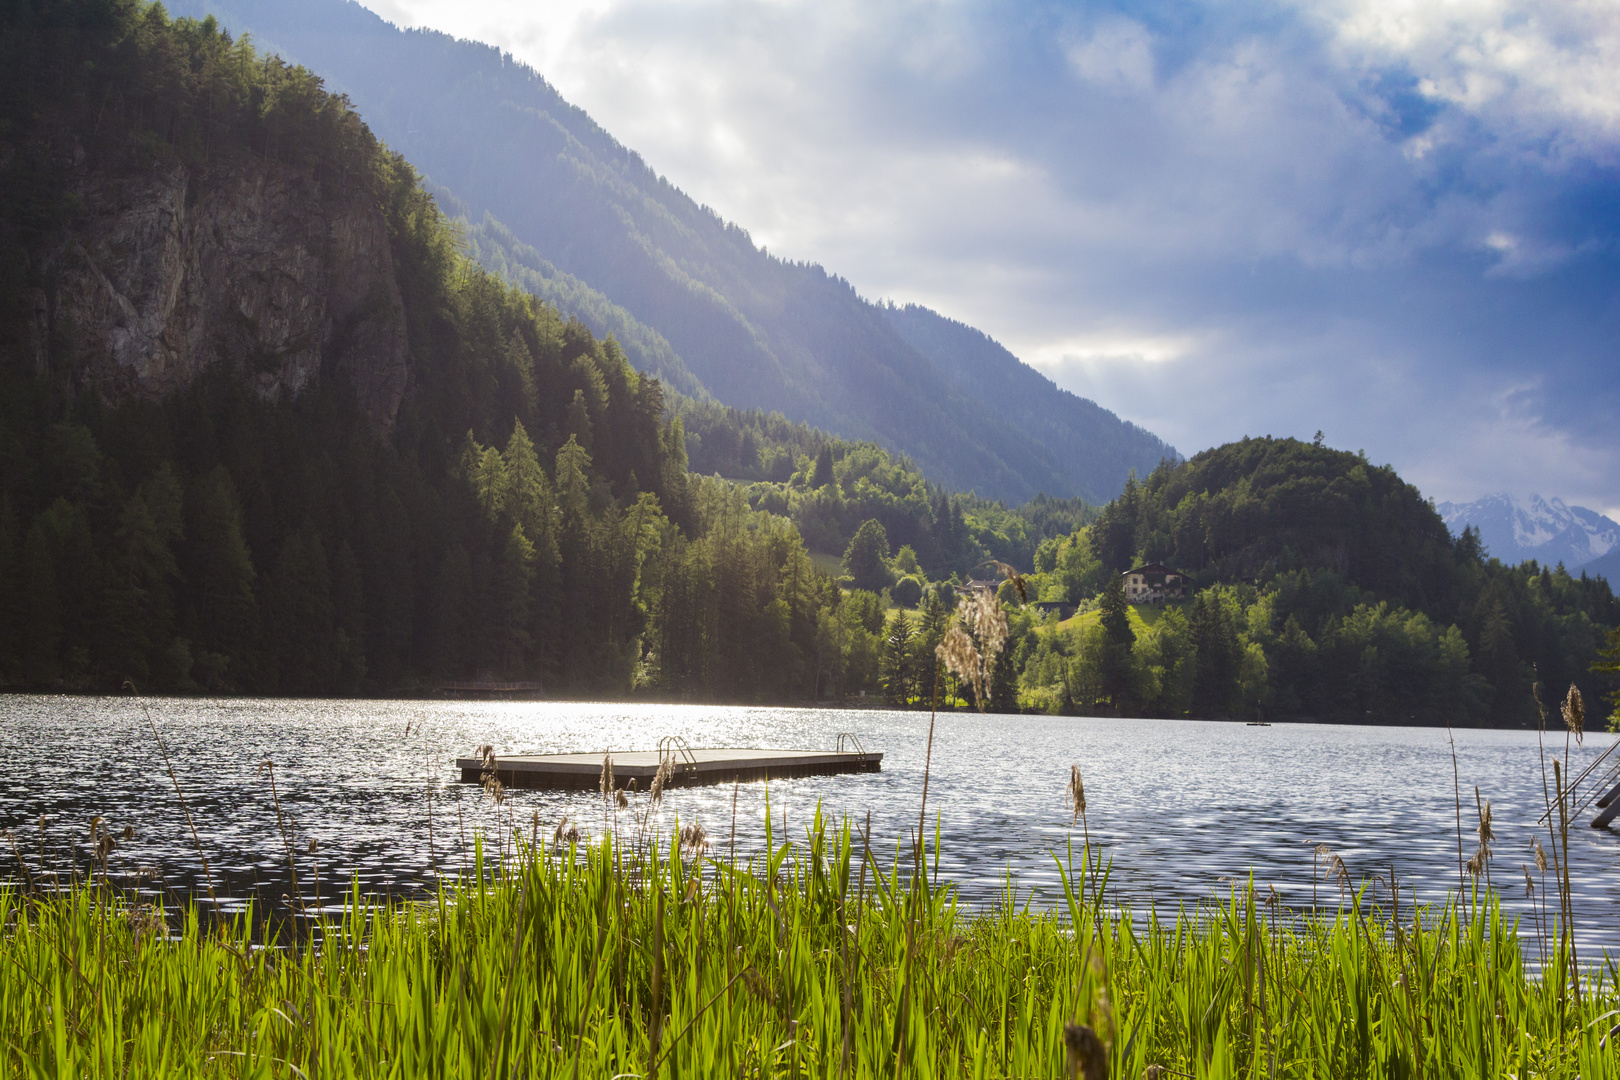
1588 770
1597 791
854 741
672 747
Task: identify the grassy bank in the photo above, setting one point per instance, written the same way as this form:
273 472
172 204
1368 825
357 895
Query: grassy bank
631 962
1143 617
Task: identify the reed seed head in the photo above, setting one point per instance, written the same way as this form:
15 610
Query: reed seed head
958 654
693 839
1476 863
623 800
129 832
666 769
1529 882
973 642
1077 791
313 846
146 921
1087 1056
489 777
1541 854
1487 836
567 832
1335 870
1575 712
606 781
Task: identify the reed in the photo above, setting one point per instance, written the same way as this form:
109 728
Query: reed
584 961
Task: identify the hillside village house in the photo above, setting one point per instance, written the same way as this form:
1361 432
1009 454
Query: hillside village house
1154 584
975 586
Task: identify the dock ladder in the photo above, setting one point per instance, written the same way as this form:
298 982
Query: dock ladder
1601 781
852 740
674 750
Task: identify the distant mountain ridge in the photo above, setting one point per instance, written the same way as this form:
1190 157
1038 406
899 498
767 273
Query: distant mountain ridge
1072 426
1547 530
754 330
1606 567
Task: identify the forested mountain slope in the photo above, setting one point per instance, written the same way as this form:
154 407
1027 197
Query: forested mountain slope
493 247
264 429
1251 509
1072 427
1607 567
1327 588
757 331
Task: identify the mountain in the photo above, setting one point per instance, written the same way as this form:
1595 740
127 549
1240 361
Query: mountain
264 428
1546 530
1328 588
1259 507
757 331
1606 567
1074 428
493 247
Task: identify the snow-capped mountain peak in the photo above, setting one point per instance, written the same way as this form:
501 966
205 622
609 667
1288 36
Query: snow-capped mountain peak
1514 529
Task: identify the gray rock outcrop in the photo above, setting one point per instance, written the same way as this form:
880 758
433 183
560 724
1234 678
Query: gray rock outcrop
253 265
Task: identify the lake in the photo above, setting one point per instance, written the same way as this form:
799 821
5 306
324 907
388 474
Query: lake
1183 809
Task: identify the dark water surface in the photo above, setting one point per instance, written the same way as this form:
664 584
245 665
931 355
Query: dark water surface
1182 808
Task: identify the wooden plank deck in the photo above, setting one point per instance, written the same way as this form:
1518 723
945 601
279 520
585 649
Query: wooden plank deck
710 765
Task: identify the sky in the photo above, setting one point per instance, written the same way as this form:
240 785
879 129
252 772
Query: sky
1392 222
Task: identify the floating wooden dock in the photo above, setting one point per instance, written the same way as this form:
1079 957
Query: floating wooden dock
689 767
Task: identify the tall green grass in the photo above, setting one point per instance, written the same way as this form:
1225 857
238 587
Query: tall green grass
813 961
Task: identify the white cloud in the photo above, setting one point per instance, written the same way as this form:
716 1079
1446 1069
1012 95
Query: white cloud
1546 68
1117 54
1349 214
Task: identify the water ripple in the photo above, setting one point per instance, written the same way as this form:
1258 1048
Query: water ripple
1182 809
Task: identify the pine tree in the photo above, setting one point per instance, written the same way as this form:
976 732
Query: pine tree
514 574
41 656
933 619
12 612
573 478
1498 661
529 497
823 474
1118 639
1608 663
225 618
452 656
866 558
579 427
302 631
897 661
1219 657
70 593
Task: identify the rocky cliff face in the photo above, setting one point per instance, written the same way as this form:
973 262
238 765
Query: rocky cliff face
253 265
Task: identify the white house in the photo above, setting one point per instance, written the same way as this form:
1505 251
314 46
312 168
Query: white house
1154 584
